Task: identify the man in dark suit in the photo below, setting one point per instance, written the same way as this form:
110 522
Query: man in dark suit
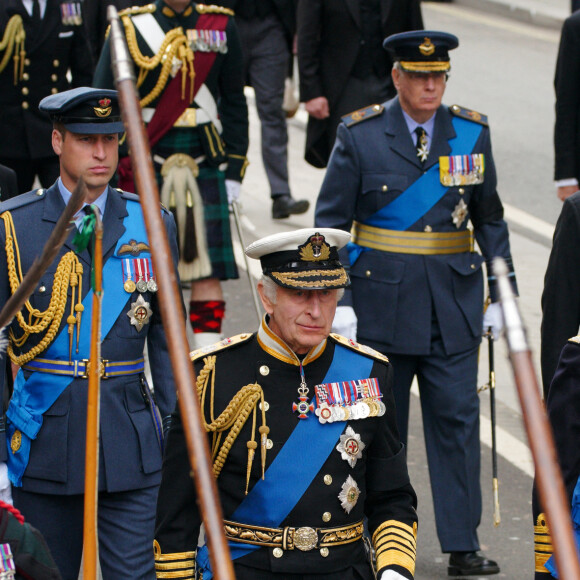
267 29
560 298
567 127
50 342
54 42
342 64
283 521
8 183
407 176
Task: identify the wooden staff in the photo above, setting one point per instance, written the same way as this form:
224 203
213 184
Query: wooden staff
548 476
170 300
90 528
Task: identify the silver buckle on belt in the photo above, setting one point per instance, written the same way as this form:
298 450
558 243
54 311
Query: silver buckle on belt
305 539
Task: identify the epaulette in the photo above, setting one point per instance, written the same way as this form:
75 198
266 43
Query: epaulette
362 115
469 115
362 348
575 339
225 343
22 200
134 197
213 9
134 10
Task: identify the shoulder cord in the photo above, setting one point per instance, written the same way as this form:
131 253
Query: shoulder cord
13 42
68 274
175 45
233 418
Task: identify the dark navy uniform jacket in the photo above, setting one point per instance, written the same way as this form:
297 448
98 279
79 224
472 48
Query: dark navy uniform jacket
563 409
224 81
395 295
381 473
130 455
52 49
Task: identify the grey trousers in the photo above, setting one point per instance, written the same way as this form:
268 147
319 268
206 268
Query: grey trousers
266 64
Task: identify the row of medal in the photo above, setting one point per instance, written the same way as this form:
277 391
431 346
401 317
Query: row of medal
207 40
348 400
462 169
138 275
71 13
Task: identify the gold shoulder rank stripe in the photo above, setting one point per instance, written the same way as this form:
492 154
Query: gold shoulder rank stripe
362 348
468 114
222 344
213 9
134 10
575 339
362 115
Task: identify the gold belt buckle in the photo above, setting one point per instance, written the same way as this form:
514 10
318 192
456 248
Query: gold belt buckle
305 539
102 368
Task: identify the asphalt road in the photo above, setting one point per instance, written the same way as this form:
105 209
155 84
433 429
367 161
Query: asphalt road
504 69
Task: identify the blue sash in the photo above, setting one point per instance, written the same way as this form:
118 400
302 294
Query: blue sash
422 194
550 565
33 397
273 498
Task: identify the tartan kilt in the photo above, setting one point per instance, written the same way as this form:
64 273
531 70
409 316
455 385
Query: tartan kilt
212 187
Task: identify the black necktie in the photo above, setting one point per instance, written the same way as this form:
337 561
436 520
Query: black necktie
35 12
422 150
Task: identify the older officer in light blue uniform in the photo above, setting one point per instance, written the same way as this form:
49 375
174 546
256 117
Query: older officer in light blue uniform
47 415
407 177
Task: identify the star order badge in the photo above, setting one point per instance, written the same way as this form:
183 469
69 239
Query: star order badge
349 494
459 213
350 446
140 313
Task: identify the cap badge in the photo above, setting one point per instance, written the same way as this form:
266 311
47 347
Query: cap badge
104 109
315 249
427 48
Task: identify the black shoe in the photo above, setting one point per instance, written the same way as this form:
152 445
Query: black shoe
471 564
284 205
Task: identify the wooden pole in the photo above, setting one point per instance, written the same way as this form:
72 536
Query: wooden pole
548 476
170 301
91 499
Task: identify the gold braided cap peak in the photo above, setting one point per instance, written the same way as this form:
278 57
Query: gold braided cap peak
134 10
213 9
362 348
220 345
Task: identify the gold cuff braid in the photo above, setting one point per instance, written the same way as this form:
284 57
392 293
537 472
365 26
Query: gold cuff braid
542 544
174 565
395 543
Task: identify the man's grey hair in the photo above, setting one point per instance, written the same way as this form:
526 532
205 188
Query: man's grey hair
271 289
397 66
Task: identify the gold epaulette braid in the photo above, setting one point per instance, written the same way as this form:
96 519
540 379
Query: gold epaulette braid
233 418
174 46
68 274
12 43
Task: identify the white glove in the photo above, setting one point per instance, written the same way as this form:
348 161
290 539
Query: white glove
5 487
391 575
493 317
233 189
345 322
